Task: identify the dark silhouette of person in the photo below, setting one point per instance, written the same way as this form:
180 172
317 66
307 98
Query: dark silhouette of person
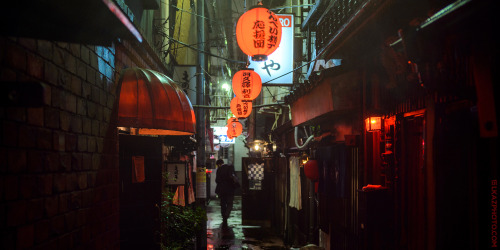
225 189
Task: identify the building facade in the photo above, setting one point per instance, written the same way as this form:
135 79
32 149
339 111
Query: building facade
402 130
59 181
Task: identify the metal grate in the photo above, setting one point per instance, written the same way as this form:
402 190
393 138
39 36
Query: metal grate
337 15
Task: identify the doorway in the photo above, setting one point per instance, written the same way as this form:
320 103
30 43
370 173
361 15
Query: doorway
140 191
257 188
412 186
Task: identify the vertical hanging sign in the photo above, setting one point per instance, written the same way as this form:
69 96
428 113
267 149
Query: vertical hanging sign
201 183
185 77
138 175
176 173
280 62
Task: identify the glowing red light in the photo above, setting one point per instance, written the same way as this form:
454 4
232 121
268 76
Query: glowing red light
258 33
373 123
247 85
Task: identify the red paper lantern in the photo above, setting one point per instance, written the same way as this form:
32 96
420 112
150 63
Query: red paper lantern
234 128
311 170
231 120
241 109
229 133
246 85
258 32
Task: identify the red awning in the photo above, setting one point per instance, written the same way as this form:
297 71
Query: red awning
153 103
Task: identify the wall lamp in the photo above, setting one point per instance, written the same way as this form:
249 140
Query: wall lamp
373 123
256 145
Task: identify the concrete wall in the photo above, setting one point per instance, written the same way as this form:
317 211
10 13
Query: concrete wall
239 151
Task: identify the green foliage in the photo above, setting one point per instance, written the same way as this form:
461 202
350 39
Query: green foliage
179 224
316 130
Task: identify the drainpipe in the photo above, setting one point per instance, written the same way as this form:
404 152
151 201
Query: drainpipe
311 212
201 239
200 84
308 140
311 207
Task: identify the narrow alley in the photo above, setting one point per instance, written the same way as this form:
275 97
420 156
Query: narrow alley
337 124
237 235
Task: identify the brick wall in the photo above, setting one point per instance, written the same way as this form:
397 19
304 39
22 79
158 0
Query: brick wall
59 163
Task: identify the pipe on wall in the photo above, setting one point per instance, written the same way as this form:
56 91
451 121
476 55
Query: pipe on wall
308 140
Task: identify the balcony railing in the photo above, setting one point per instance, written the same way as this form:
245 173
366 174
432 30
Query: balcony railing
336 17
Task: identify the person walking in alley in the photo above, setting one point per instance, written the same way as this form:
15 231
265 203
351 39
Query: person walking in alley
225 188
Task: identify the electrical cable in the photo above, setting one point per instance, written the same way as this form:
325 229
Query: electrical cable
179 29
205 52
288 7
307 63
221 57
194 14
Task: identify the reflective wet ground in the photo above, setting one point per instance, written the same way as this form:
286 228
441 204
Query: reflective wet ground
236 235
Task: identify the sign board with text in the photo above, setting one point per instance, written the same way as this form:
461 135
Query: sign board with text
201 183
185 77
278 68
176 173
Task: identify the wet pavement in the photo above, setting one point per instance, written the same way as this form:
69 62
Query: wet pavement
236 235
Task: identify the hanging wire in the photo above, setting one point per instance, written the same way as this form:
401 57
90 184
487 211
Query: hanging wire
289 7
236 6
273 96
195 44
307 63
180 44
180 83
205 52
178 19
285 75
184 45
194 14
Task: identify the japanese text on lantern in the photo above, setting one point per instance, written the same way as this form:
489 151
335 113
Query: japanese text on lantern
273 30
259 34
242 109
233 128
246 85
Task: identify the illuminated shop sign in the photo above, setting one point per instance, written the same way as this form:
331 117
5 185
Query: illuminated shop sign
221 134
280 62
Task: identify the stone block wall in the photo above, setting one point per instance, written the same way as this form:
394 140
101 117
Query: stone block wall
59 162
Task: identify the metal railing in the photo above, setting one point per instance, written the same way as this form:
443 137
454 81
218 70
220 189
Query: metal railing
336 16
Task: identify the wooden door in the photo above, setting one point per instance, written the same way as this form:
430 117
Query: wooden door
257 198
139 213
413 188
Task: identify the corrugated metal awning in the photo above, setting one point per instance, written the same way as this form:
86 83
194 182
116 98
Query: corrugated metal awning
153 103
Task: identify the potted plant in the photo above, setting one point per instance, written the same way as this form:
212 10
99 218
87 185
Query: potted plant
179 224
